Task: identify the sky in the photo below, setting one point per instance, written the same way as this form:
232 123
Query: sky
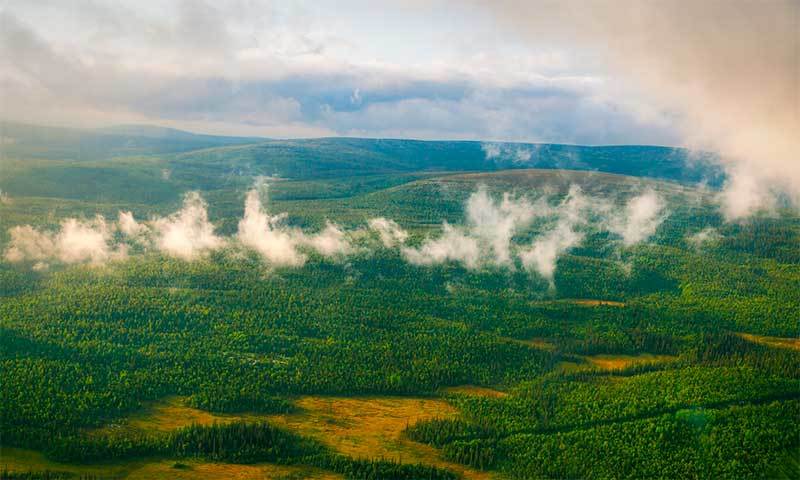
288 69
711 75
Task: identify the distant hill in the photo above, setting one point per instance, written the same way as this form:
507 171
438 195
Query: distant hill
153 164
336 157
33 141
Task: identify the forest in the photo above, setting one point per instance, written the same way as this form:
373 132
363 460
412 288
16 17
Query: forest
672 356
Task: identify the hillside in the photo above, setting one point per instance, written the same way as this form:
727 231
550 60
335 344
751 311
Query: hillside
148 164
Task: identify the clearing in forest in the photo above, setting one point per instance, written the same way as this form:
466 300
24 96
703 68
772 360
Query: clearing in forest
169 414
372 427
595 303
779 342
475 391
21 460
617 362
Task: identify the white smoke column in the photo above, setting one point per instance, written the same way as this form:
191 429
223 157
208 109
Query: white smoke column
452 245
261 232
730 69
640 219
187 234
78 241
390 233
543 254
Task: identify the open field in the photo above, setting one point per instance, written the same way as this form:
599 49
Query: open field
778 342
21 460
372 427
617 362
596 303
368 427
169 414
475 391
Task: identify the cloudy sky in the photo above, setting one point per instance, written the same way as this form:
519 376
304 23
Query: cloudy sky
310 69
714 75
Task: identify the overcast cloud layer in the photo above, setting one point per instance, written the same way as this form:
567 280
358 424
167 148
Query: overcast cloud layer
295 69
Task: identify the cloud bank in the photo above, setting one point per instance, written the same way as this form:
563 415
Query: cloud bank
272 69
77 241
487 238
728 73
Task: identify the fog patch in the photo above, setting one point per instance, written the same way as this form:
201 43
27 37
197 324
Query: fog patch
705 237
390 233
640 218
545 250
187 234
77 241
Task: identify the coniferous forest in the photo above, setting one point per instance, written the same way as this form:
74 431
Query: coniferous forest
666 348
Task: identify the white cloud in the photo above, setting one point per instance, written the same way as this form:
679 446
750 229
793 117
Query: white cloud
77 241
452 245
486 237
281 245
27 243
390 233
640 219
261 232
330 242
706 236
725 71
130 227
543 254
187 234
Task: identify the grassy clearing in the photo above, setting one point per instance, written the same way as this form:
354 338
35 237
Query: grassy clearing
476 391
169 414
20 460
778 342
616 362
369 427
595 303
540 343
201 471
